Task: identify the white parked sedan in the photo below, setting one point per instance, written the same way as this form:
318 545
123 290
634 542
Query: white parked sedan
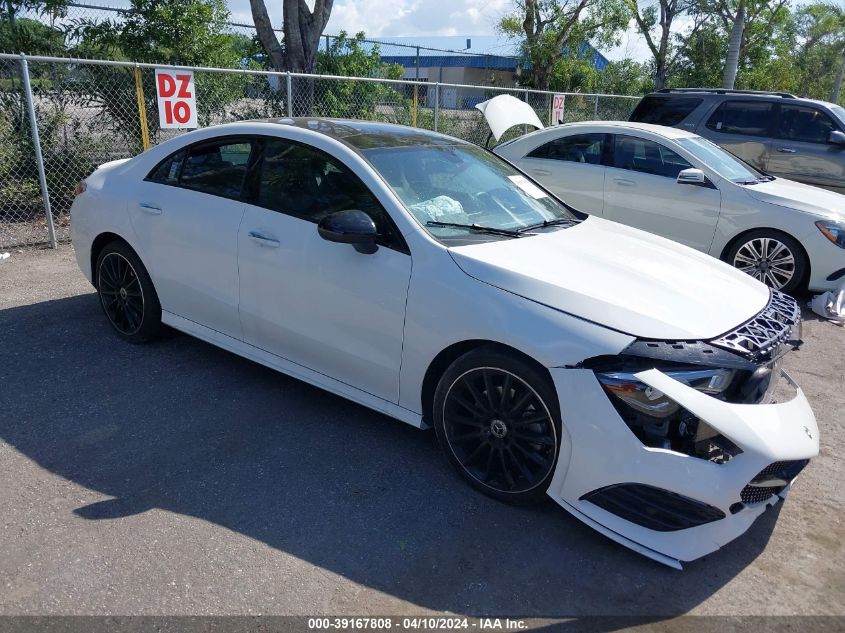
681 186
622 374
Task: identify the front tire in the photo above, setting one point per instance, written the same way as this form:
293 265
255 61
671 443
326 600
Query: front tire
497 420
772 257
127 295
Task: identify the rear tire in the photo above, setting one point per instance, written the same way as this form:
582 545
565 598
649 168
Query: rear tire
772 257
127 295
497 419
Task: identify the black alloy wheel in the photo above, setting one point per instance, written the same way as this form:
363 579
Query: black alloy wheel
126 293
497 428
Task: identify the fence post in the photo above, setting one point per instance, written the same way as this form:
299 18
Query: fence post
525 127
596 109
436 105
142 109
39 159
290 94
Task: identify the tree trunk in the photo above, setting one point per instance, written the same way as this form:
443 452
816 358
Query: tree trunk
659 74
267 36
837 84
732 61
542 77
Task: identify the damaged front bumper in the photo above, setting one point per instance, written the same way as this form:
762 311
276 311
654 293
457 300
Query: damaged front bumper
667 505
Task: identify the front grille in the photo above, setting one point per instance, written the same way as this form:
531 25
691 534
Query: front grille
653 508
771 481
762 336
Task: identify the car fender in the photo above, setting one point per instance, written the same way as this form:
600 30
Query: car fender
446 306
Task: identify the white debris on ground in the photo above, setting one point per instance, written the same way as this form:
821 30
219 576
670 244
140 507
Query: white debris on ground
831 304
4 256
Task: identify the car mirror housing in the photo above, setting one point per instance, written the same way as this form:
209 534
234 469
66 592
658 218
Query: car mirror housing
350 227
691 177
836 137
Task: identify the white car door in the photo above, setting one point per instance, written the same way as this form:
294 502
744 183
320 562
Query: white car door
321 304
186 216
641 190
571 168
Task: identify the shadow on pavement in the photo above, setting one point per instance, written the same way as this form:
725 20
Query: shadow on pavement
186 427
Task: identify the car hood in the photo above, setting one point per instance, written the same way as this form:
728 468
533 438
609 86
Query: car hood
796 195
620 277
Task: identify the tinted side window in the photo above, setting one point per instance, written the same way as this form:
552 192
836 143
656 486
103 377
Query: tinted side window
664 110
742 117
647 157
167 171
306 183
580 148
804 124
216 168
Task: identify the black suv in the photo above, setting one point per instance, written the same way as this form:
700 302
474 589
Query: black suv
784 135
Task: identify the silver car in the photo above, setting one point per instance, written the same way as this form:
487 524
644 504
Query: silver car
676 184
778 133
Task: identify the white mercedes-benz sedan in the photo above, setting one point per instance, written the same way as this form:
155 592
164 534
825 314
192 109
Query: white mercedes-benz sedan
679 185
624 375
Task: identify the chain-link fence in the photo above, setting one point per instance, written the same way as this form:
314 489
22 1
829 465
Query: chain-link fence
88 113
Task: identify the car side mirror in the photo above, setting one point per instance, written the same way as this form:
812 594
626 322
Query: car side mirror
691 177
836 137
350 227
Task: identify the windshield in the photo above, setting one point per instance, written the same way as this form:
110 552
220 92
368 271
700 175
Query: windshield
720 161
464 185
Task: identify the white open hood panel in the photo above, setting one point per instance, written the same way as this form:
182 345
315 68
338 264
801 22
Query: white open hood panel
505 111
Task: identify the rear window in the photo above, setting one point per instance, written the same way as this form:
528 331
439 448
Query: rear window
667 111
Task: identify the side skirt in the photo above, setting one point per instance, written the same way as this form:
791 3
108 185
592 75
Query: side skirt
292 369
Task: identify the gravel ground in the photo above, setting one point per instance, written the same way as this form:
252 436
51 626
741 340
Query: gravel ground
176 478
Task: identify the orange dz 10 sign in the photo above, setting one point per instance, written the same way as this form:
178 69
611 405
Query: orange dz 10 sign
177 104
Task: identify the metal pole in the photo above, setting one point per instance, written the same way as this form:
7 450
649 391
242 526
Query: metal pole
596 110
39 159
525 127
418 64
436 105
290 95
142 110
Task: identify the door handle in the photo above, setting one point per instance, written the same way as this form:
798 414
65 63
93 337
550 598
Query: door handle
263 240
624 182
541 172
787 150
147 207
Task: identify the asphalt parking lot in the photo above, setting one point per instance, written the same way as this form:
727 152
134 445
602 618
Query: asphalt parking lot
176 478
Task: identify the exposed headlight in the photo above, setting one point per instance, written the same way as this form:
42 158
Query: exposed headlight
659 421
833 231
648 400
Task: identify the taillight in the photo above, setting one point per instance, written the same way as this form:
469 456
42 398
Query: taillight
80 188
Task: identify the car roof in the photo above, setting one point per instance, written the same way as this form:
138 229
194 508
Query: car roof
614 127
744 95
362 135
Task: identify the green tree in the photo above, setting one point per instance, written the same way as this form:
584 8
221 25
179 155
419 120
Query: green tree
181 32
654 21
352 58
25 35
552 30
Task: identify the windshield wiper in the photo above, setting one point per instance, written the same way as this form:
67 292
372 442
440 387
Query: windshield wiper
492 230
545 223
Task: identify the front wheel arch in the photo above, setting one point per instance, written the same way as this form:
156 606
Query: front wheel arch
447 356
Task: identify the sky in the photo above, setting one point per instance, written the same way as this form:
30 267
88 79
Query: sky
425 18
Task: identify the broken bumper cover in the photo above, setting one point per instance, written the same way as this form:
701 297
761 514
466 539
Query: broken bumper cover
600 452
